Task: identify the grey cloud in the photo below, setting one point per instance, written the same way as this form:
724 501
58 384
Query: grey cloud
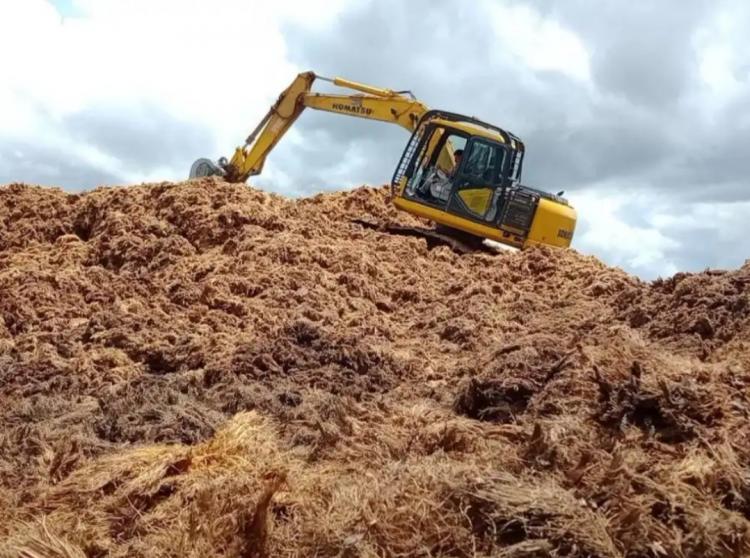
401 45
696 237
718 158
142 136
38 164
388 44
635 128
365 153
592 152
572 138
631 125
711 246
644 124
708 252
643 50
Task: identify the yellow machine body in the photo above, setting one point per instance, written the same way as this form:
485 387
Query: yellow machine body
489 204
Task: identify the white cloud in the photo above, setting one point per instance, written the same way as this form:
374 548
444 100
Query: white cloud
218 65
605 229
724 221
653 234
540 44
718 56
209 70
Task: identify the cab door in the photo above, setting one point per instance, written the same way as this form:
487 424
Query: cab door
478 184
427 169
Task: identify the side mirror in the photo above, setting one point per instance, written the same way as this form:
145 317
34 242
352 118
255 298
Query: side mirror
561 192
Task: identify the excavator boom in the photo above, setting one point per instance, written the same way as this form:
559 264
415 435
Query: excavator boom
373 103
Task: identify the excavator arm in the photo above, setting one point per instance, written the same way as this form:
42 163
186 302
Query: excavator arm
373 103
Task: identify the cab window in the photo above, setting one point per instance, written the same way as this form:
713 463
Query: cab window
434 166
453 143
483 164
478 185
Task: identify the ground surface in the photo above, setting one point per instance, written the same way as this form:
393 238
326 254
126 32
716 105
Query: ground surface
203 369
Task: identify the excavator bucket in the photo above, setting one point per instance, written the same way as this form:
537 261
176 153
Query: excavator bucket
206 167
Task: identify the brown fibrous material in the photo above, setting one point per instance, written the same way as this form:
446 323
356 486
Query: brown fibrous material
205 369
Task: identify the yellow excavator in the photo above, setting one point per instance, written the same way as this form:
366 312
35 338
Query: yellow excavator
457 171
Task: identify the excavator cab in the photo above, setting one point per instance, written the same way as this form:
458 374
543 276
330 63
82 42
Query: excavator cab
481 193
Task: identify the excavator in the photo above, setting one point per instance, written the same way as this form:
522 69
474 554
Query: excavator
457 171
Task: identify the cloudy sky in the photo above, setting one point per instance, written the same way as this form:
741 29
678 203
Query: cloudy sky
640 111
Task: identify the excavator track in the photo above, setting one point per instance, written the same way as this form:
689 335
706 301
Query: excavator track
457 241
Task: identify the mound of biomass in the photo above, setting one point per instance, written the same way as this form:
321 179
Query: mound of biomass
204 369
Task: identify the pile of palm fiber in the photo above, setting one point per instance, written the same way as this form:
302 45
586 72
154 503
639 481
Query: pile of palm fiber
204 369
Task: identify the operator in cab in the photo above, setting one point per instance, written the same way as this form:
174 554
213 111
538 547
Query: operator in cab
457 155
440 184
